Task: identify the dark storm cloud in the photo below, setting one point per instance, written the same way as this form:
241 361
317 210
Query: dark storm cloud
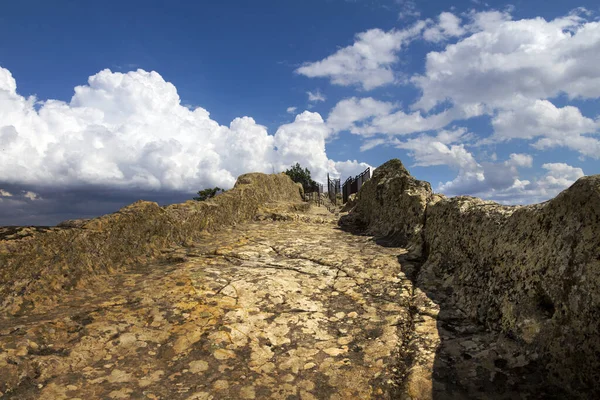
54 205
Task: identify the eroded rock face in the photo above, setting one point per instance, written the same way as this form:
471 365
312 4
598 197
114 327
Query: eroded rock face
35 265
392 205
532 273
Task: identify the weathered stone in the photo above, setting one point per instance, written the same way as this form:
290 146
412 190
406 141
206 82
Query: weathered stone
279 303
350 204
35 264
532 272
529 272
245 312
391 205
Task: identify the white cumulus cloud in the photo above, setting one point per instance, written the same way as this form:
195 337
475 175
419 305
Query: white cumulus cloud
447 26
535 58
31 195
368 116
499 181
442 149
512 70
366 63
303 139
347 112
130 130
508 70
552 126
560 175
315 97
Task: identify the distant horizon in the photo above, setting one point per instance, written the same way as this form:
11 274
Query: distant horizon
89 217
489 99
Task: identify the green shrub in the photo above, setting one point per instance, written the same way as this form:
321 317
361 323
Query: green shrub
209 193
302 176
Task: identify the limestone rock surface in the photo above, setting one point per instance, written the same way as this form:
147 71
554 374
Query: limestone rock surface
391 204
36 264
287 307
256 295
529 272
532 272
350 204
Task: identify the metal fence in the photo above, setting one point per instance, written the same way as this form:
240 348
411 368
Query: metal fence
353 185
346 187
314 194
333 189
314 197
316 188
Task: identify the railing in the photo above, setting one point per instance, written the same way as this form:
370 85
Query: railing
353 185
346 189
333 189
314 194
316 188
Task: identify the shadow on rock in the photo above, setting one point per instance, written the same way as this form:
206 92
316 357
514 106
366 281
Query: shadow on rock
467 360
505 298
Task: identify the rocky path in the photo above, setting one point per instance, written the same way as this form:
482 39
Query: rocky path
278 310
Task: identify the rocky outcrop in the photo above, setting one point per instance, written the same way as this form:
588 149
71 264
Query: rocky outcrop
391 205
531 272
159 303
34 267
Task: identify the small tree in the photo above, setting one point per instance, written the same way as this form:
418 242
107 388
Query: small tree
208 193
302 176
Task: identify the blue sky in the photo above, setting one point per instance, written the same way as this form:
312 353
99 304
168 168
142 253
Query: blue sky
493 99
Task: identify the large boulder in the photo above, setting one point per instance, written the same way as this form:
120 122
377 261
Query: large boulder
391 205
